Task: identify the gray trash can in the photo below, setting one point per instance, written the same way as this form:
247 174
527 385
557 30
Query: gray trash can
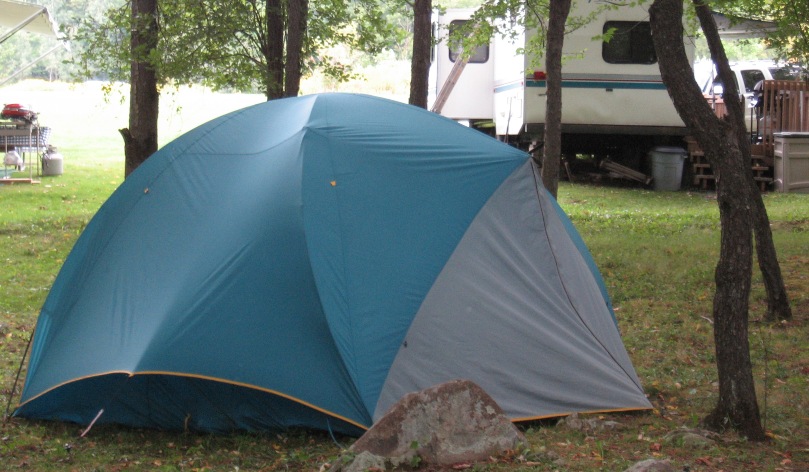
667 167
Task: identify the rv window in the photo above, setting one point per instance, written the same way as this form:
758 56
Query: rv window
481 54
630 43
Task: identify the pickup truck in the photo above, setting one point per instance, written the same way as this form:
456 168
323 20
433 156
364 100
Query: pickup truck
747 75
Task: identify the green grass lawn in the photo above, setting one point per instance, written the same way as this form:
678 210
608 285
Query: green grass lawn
656 250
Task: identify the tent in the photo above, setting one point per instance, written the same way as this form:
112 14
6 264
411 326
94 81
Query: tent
308 261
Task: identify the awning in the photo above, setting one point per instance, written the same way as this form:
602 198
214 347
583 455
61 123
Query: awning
17 16
742 28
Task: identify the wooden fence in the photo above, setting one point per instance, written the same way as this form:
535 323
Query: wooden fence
785 107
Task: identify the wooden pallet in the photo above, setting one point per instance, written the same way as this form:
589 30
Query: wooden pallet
12 181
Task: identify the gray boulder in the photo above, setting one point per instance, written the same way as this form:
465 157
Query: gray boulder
588 425
690 437
652 465
446 424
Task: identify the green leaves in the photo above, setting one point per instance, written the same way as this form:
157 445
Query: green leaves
228 44
790 39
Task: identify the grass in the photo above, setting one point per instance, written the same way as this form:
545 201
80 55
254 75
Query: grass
656 250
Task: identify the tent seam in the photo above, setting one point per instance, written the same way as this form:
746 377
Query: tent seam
337 198
538 188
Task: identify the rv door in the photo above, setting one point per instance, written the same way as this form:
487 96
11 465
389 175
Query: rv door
470 97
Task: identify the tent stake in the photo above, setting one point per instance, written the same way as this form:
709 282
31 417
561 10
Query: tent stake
83 433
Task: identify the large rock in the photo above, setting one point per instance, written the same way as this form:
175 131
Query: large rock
691 438
652 465
588 425
447 424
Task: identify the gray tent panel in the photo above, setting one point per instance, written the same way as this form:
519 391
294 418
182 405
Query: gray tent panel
516 272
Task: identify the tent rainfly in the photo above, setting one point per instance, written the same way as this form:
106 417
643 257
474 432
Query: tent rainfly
307 262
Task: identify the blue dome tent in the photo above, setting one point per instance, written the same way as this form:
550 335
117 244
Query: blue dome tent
308 261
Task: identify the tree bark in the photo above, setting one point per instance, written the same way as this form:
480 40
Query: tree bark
274 49
737 406
559 10
778 306
140 139
777 300
422 45
296 33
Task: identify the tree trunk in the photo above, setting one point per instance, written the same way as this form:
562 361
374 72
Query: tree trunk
737 406
777 300
422 45
140 139
778 307
296 32
559 10
274 49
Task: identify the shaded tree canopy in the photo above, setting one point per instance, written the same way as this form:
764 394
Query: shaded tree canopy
226 44
790 38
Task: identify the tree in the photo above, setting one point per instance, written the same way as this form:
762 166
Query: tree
140 139
791 38
558 12
725 145
296 38
422 45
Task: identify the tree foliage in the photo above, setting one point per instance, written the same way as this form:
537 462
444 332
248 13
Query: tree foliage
790 39
228 44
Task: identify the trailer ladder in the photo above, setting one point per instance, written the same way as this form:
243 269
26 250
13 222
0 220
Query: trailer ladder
449 84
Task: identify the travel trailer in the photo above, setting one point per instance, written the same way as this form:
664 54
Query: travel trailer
614 102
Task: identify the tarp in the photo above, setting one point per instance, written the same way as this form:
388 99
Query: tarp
307 262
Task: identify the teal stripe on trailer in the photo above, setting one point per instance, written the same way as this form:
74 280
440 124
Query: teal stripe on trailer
602 84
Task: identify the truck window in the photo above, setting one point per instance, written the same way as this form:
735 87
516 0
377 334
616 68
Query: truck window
719 88
751 78
481 54
631 43
785 73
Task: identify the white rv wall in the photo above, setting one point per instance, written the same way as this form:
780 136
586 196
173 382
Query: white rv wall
596 95
472 95
601 94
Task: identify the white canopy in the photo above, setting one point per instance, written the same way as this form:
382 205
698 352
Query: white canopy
17 16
